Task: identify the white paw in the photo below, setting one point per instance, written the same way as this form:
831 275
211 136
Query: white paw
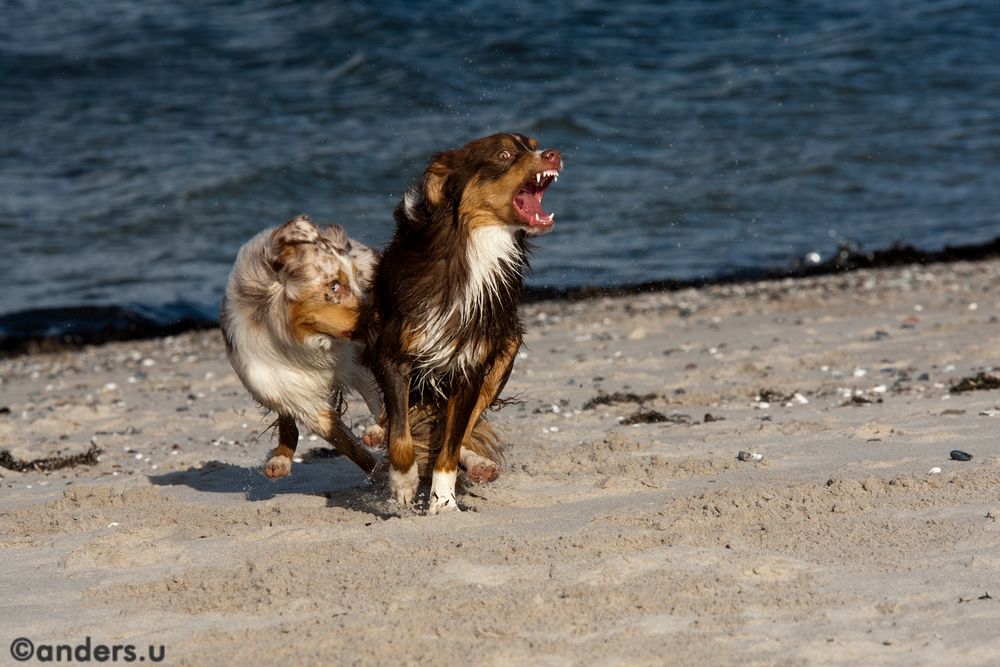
403 485
278 467
374 437
443 492
440 505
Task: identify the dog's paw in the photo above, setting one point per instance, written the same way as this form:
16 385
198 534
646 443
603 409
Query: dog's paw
441 505
374 437
278 467
482 472
403 485
443 493
478 469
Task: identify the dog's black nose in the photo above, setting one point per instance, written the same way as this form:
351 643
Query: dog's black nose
553 157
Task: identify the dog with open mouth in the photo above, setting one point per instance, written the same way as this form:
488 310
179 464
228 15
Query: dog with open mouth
290 319
443 322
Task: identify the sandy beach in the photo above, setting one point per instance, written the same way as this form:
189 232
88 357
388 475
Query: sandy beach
624 531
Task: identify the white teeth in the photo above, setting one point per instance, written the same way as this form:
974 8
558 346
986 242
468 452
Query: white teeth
537 219
548 173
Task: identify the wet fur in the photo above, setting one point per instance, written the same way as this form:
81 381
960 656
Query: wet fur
288 337
443 326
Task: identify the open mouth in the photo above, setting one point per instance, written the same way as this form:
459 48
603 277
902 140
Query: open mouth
528 200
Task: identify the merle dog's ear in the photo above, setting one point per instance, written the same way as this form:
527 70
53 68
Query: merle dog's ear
295 232
435 179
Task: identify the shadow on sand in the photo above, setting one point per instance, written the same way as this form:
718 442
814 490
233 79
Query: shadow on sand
334 478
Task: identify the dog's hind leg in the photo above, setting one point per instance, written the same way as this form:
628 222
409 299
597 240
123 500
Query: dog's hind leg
478 468
403 477
360 379
279 462
481 469
374 435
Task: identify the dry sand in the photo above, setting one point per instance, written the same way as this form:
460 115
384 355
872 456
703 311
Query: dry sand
603 543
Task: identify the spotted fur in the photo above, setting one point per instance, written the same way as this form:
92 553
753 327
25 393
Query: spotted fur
290 323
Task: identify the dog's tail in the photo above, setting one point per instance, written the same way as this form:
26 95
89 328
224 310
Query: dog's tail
427 439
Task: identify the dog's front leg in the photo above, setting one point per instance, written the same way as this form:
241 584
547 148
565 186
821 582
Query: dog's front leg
403 478
374 435
465 407
279 462
459 415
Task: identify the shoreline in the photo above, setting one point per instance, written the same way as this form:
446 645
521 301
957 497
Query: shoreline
613 535
71 327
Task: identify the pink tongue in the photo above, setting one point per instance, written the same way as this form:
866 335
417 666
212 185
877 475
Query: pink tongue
530 206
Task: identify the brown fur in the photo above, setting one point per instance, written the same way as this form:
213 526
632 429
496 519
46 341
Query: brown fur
443 325
289 317
314 315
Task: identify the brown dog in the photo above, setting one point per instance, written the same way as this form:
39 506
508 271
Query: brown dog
444 314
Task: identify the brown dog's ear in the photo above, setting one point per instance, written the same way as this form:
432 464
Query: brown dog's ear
434 180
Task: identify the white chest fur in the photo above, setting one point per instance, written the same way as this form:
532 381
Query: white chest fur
492 257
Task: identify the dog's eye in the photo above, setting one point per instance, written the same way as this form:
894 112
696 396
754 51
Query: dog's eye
504 155
335 286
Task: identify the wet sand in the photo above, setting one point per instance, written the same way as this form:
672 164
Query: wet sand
624 530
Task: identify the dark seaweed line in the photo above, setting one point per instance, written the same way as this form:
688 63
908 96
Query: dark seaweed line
847 259
47 464
29 331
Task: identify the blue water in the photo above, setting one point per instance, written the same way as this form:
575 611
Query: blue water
142 142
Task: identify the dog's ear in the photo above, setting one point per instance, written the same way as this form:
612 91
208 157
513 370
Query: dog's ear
365 260
285 238
337 236
435 179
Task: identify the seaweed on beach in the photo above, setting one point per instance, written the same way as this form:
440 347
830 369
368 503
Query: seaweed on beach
618 397
11 462
643 416
979 382
848 257
773 396
858 401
